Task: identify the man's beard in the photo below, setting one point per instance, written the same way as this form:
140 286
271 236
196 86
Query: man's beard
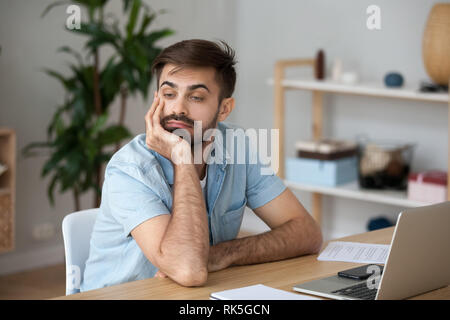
211 125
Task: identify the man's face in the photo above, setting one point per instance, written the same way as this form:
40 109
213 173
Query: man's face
190 94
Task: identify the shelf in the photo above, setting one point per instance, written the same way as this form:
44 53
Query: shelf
319 89
6 131
353 191
363 88
5 191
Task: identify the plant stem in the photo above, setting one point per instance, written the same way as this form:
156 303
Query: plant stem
98 181
76 197
97 97
123 109
98 111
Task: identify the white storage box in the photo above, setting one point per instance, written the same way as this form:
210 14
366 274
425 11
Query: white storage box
430 186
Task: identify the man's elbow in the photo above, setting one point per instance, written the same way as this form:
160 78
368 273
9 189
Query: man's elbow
191 277
316 239
311 236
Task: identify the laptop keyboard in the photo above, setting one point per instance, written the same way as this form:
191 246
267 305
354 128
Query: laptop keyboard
359 291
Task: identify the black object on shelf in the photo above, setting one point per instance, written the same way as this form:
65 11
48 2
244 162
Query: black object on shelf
432 87
327 156
384 165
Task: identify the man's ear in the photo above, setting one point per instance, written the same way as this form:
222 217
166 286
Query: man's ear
226 107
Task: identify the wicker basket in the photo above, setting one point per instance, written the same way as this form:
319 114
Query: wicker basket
6 216
384 165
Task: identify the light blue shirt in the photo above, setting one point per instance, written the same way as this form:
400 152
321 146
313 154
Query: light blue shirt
138 186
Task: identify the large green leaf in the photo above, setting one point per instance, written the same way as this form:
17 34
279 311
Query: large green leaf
146 21
92 3
150 39
135 54
112 135
110 81
74 165
98 34
54 160
57 123
72 52
51 188
52 5
30 149
99 123
66 82
133 17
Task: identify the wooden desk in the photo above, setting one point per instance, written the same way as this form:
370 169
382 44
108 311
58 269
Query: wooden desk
281 274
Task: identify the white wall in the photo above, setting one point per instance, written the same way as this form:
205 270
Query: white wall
28 98
270 30
261 31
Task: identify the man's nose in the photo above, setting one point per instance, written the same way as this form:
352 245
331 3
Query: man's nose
178 106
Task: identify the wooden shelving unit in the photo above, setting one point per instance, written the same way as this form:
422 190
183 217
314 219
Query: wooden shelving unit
7 189
318 89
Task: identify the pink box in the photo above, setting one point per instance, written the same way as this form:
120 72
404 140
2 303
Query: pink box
429 186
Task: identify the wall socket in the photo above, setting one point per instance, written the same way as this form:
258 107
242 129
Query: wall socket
44 231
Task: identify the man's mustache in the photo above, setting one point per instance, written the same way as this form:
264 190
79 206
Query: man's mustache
177 117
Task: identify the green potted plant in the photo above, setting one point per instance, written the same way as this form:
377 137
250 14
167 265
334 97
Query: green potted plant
81 137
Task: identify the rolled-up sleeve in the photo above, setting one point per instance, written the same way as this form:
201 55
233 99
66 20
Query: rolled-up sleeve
262 184
131 202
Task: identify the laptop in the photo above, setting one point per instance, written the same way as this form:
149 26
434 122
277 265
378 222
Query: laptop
418 261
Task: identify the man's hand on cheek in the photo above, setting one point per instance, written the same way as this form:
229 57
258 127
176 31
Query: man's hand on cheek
167 144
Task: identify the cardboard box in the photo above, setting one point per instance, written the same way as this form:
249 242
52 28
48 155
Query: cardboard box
429 186
322 172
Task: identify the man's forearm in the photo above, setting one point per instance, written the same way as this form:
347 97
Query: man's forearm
280 243
186 241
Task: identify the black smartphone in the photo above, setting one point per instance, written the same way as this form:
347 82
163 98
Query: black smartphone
359 273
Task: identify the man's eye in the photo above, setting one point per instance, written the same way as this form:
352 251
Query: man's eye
195 98
169 95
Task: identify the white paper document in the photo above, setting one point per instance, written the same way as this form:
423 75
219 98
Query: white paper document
355 252
259 292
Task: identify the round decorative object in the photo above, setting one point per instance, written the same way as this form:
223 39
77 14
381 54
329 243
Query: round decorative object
436 44
393 79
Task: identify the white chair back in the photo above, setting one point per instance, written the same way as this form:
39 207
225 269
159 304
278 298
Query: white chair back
77 229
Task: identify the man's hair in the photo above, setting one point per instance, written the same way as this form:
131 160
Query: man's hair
201 53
